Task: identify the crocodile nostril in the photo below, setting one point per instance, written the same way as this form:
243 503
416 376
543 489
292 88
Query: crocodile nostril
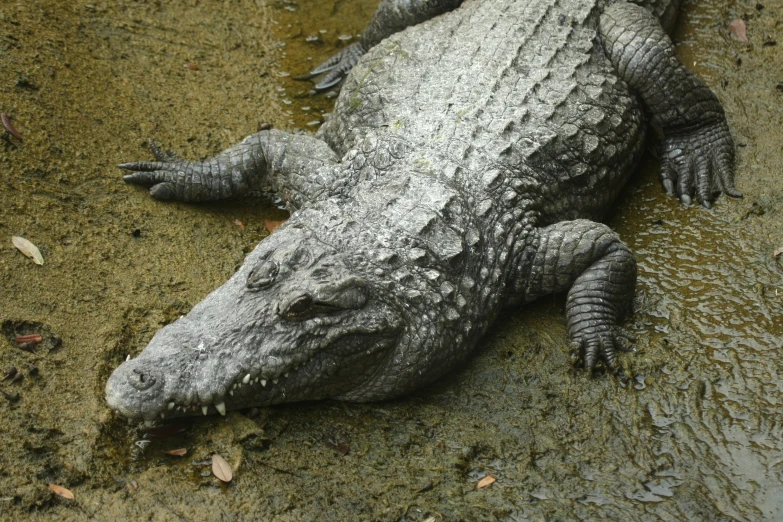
141 380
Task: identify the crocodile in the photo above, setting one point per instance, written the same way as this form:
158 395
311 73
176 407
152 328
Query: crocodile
472 151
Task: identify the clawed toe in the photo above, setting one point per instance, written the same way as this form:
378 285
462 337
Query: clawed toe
337 67
164 156
601 348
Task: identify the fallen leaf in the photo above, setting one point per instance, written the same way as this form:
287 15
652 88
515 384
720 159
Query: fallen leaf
9 127
272 225
28 249
431 519
239 224
221 469
486 481
181 452
737 27
134 484
59 490
777 252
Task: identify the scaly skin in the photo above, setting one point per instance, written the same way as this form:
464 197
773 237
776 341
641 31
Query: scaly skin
470 147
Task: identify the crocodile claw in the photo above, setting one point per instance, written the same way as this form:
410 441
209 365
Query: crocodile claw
168 155
336 67
601 346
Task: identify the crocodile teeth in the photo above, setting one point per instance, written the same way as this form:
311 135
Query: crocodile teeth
231 392
148 423
171 405
221 408
255 381
128 358
246 379
204 409
285 375
234 387
275 380
162 415
263 383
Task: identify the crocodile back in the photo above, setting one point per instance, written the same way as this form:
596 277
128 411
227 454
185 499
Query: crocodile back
518 86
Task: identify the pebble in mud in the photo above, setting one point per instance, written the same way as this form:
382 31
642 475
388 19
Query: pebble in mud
11 397
28 346
11 373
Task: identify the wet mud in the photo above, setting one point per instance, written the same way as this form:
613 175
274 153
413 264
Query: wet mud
693 431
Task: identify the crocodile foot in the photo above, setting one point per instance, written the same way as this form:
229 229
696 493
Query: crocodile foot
699 163
160 175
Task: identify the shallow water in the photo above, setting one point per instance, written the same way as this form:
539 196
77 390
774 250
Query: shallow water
693 432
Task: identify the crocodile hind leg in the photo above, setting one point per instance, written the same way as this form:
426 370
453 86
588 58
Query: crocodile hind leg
391 17
598 270
698 152
299 168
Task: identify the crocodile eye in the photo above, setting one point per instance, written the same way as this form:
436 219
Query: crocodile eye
262 275
300 307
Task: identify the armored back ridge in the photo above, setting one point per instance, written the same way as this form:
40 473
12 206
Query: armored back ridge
470 146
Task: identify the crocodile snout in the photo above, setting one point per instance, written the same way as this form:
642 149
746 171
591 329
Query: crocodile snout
134 389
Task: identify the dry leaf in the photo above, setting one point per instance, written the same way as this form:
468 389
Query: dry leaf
738 28
272 225
486 481
28 249
239 224
221 469
59 490
181 452
777 252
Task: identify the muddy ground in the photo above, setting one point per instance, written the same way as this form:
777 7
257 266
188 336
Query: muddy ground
694 432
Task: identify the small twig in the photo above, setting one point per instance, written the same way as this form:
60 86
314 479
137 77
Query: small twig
29 338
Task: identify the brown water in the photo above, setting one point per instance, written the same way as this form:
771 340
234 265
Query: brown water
693 433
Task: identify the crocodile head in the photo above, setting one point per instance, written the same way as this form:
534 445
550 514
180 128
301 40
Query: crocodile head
294 323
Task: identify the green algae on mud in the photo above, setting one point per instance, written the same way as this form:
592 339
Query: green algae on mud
692 432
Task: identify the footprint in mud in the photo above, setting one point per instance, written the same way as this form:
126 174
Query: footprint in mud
31 336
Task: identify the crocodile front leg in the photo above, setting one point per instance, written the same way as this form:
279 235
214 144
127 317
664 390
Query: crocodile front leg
391 17
698 152
589 259
299 168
